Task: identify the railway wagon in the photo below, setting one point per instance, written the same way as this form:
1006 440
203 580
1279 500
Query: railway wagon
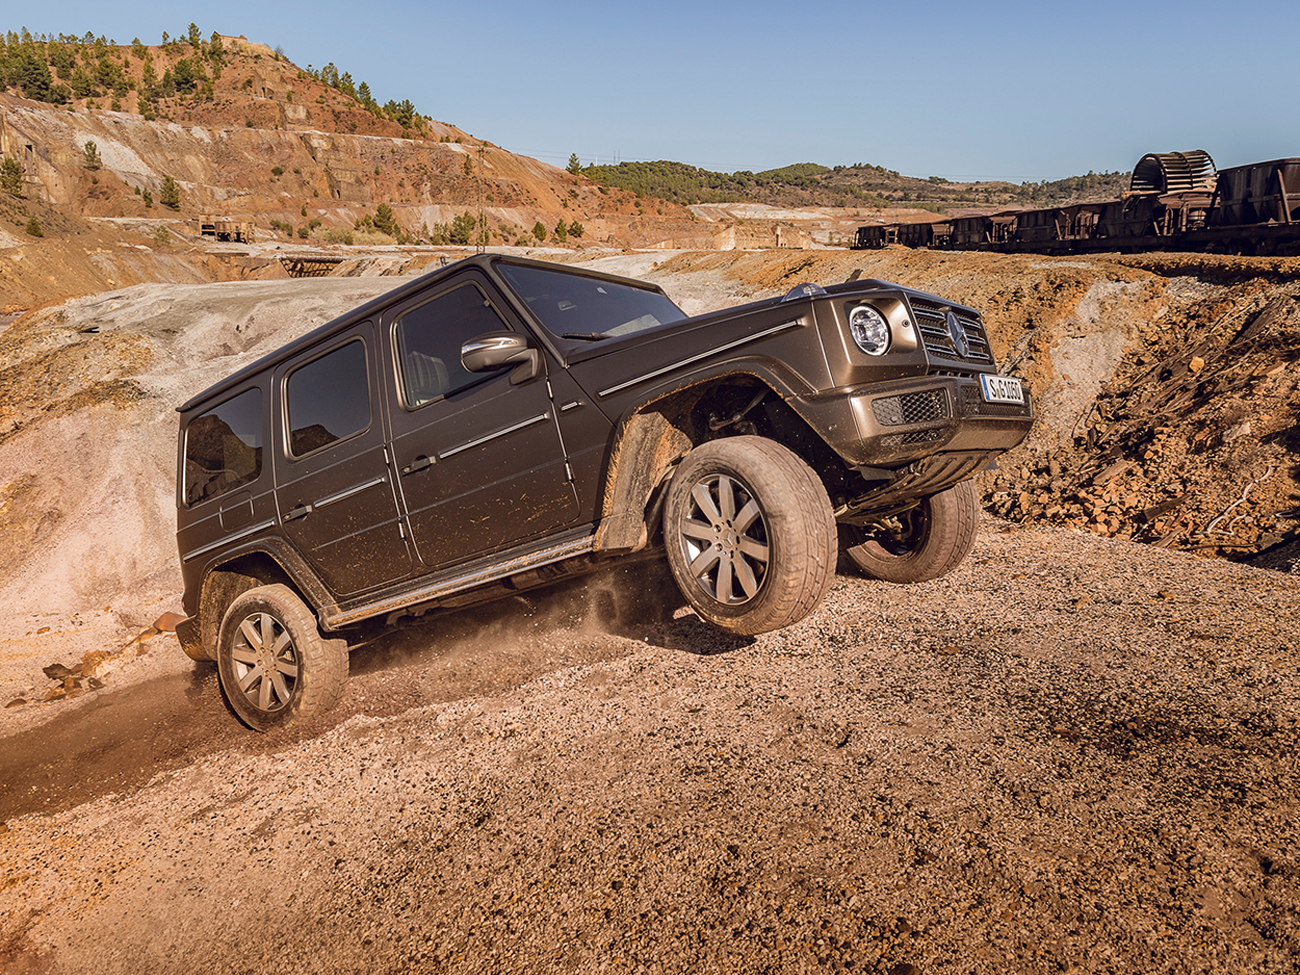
1264 192
1175 201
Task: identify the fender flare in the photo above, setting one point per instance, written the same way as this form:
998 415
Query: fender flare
650 440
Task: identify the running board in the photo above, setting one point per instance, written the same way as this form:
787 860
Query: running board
427 589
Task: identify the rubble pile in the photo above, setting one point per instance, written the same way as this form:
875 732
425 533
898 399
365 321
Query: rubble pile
1190 445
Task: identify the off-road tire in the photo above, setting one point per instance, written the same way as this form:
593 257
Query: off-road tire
749 570
936 536
312 670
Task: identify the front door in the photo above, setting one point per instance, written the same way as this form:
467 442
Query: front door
334 485
480 462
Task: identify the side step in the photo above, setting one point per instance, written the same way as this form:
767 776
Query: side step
491 568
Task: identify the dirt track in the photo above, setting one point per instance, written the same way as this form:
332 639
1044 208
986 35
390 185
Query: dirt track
1071 754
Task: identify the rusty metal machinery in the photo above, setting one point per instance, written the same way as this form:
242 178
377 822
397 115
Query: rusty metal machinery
1174 172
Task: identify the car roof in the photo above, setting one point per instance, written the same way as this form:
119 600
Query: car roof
484 262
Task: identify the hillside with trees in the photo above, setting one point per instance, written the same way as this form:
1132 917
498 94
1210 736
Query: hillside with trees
862 184
187 77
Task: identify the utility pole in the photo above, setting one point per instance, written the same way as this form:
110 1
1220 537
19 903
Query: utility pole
481 235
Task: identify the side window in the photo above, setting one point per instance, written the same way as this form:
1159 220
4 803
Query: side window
429 338
328 399
223 447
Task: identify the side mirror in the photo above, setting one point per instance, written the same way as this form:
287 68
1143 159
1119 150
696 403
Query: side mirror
492 350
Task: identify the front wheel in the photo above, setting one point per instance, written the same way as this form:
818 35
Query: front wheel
274 665
924 542
749 535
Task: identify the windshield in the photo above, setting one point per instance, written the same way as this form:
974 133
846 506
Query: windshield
588 309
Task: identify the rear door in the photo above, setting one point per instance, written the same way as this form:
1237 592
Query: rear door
334 482
480 461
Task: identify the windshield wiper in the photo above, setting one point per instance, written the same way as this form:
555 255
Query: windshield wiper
585 336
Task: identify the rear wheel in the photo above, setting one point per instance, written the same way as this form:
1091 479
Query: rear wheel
749 535
923 543
275 667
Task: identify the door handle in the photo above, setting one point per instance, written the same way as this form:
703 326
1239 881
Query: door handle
298 512
419 464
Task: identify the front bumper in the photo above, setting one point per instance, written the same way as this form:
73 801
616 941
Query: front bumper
891 424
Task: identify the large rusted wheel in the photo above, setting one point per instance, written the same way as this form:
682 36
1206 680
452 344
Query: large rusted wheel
923 543
274 665
749 534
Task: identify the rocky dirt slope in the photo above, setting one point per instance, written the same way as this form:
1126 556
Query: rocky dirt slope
1072 754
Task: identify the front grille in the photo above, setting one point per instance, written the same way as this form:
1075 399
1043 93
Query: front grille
922 407
972 404
932 321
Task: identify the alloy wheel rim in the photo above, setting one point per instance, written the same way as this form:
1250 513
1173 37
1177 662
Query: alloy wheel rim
265 662
725 540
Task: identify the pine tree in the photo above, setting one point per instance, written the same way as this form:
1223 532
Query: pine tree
11 176
33 74
92 160
575 164
539 231
462 228
170 195
386 223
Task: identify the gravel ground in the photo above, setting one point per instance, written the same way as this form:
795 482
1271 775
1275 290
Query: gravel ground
1071 754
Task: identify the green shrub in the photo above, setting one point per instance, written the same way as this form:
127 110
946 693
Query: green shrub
462 228
11 176
34 228
170 196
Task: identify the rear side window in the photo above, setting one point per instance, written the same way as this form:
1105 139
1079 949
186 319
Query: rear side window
223 447
429 339
328 399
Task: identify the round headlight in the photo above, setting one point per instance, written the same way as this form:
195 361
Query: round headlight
870 330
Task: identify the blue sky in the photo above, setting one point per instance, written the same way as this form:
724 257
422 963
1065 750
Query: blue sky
996 90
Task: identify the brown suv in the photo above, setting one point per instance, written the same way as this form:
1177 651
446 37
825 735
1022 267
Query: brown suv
501 423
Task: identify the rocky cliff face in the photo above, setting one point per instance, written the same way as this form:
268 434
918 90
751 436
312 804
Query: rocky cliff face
269 174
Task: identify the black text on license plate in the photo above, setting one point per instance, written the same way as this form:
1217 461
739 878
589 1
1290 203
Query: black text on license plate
1002 389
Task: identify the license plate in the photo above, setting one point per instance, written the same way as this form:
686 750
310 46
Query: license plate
1001 389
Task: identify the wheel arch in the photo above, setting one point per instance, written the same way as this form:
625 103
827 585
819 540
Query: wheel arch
654 435
225 580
